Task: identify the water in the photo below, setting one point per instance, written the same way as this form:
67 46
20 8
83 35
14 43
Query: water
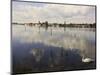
37 49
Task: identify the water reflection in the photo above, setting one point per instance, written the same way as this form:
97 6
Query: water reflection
37 50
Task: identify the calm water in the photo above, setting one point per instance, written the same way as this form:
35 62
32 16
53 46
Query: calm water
37 49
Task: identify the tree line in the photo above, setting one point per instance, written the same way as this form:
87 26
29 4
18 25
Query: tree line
47 24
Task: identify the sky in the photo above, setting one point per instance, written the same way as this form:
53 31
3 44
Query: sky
25 12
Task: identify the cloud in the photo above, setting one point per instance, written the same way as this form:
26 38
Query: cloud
34 12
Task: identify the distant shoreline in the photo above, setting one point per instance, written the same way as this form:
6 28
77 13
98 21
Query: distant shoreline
71 25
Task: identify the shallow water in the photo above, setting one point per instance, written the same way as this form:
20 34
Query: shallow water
37 49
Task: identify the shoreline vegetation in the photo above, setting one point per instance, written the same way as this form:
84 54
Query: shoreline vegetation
47 24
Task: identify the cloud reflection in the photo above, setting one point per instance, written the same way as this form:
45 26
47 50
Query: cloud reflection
71 39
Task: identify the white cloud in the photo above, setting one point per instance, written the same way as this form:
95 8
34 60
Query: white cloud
32 12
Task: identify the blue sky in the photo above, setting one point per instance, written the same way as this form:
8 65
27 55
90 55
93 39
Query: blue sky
33 12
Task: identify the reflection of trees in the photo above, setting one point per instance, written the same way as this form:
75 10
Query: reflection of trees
64 26
51 31
39 29
46 25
